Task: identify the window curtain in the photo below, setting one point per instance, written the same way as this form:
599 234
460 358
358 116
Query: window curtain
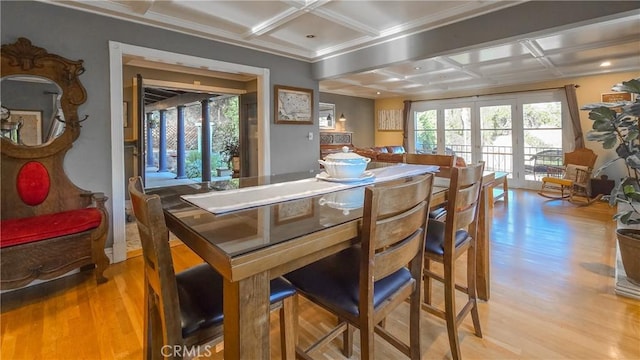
574 113
405 126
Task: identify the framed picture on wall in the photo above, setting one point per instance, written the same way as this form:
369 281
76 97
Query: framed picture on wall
327 116
293 210
293 105
125 114
31 125
390 120
617 97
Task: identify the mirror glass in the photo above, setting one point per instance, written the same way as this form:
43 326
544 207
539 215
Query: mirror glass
327 116
34 106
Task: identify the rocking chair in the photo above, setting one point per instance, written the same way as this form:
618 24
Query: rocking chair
575 180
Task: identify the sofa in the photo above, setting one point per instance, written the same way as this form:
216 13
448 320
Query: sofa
392 153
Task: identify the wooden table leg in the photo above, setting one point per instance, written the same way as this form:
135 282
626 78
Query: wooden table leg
483 274
246 318
490 198
505 187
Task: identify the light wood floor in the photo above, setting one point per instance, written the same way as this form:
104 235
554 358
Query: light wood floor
552 298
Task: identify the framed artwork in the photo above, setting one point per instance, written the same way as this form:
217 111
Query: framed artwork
125 114
390 120
293 105
617 97
293 210
31 129
327 116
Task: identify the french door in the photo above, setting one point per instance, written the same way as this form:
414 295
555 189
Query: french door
520 134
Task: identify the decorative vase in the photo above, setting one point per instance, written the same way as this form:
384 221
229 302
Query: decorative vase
629 244
235 161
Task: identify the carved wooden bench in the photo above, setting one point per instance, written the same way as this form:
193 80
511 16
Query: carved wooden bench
49 226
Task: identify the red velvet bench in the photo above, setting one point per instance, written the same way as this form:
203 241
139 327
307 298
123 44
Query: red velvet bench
48 245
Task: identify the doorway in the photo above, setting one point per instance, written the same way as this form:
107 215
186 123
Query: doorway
119 50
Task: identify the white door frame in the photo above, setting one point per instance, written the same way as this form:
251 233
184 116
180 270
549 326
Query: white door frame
118 189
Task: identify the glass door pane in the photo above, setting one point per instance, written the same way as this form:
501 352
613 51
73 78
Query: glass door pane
426 132
542 130
457 133
496 137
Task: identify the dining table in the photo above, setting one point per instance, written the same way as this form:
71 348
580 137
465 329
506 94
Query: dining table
250 244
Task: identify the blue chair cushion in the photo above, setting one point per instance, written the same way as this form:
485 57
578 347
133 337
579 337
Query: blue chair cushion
435 237
334 281
438 214
200 297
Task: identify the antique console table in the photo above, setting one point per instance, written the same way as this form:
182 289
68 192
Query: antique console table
333 141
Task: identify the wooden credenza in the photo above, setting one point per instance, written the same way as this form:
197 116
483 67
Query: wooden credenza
333 141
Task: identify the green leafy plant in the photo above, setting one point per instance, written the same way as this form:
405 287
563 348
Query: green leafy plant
193 164
231 147
615 125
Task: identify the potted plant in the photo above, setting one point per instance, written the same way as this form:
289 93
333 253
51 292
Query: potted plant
231 149
615 125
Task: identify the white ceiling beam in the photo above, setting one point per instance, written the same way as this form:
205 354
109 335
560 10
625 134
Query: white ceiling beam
141 6
273 23
536 51
631 39
390 74
348 81
296 10
549 65
533 47
454 64
347 22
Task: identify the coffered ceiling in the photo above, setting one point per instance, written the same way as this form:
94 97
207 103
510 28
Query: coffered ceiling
321 31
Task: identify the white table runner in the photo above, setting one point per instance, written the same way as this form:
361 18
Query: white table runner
230 200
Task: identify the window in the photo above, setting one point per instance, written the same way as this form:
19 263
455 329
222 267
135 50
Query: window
426 132
521 133
457 132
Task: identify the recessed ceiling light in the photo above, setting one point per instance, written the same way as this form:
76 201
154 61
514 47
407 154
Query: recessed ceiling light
605 64
417 68
377 92
310 36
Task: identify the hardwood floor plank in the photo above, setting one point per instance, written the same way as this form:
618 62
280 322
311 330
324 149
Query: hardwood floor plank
552 298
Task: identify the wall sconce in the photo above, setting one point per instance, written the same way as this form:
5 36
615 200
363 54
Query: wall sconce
342 118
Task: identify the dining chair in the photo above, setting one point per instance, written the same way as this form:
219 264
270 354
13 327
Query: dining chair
185 309
364 283
446 163
446 242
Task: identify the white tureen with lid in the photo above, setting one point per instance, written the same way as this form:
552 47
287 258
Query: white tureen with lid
345 164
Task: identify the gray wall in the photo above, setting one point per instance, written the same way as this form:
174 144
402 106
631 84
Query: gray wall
80 35
360 116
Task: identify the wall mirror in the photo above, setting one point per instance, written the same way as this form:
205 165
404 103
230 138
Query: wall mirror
34 105
41 92
327 116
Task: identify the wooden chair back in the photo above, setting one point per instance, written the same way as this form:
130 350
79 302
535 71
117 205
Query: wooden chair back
393 235
161 289
463 203
582 157
445 162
